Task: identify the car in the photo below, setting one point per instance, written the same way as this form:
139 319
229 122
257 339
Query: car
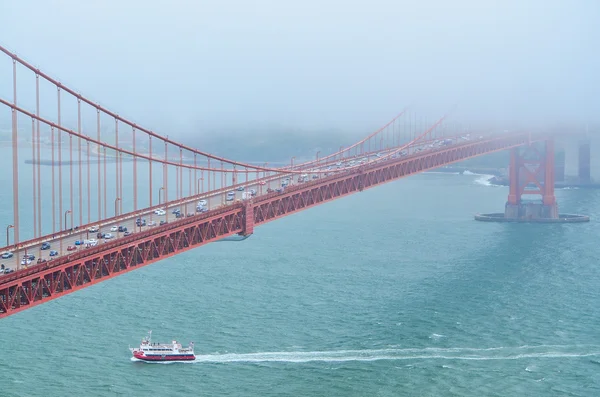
108 236
31 257
160 212
241 188
140 222
78 242
7 255
127 234
71 248
122 229
25 262
163 223
45 246
152 223
176 211
93 229
114 228
202 203
91 242
53 253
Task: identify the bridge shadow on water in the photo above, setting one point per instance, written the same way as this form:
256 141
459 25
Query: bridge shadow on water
232 238
524 286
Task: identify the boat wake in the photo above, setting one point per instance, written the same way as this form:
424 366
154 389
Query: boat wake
459 353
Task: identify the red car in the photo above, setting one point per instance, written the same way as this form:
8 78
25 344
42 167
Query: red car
71 248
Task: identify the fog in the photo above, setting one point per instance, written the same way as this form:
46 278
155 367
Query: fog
188 67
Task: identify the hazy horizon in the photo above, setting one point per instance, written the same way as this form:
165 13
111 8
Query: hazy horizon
186 67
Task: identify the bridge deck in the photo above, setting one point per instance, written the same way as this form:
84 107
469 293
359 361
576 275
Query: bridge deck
29 287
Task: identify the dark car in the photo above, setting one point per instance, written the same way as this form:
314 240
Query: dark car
45 246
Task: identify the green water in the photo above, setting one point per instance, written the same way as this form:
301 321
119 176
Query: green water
395 291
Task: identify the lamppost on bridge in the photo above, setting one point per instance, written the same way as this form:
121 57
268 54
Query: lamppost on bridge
7 229
160 190
116 201
318 152
266 165
61 238
116 213
198 184
66 213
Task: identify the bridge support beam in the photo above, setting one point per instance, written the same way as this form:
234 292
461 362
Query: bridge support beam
248 217
531 187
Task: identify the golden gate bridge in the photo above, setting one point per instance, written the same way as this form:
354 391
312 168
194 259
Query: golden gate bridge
73 229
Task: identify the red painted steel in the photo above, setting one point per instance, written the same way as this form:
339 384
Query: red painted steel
41 283
548 197
532 172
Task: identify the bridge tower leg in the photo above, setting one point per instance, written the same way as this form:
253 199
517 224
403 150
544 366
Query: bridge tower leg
531 173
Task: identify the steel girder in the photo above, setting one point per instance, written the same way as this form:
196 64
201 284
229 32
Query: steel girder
296 198
39 284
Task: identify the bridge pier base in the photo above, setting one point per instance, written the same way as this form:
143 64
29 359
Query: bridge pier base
532 174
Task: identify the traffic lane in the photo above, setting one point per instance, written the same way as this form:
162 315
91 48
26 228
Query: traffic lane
188 207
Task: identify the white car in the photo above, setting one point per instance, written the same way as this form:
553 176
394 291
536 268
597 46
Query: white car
25 261
107 236
151 223
92 242
202 203
160 212
114 228
93 229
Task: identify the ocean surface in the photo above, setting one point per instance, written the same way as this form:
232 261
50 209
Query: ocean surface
395 291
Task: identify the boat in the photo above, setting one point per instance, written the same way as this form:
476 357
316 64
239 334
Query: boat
157 352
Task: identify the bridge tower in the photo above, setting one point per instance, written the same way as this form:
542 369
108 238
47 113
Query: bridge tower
531 182
531 175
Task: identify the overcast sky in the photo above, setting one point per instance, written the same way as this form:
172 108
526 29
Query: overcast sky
316 63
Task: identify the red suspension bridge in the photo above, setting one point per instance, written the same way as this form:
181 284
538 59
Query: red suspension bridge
96 195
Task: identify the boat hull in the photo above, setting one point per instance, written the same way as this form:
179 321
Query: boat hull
165 357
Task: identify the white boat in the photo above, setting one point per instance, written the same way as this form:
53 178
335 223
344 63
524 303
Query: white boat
152 351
